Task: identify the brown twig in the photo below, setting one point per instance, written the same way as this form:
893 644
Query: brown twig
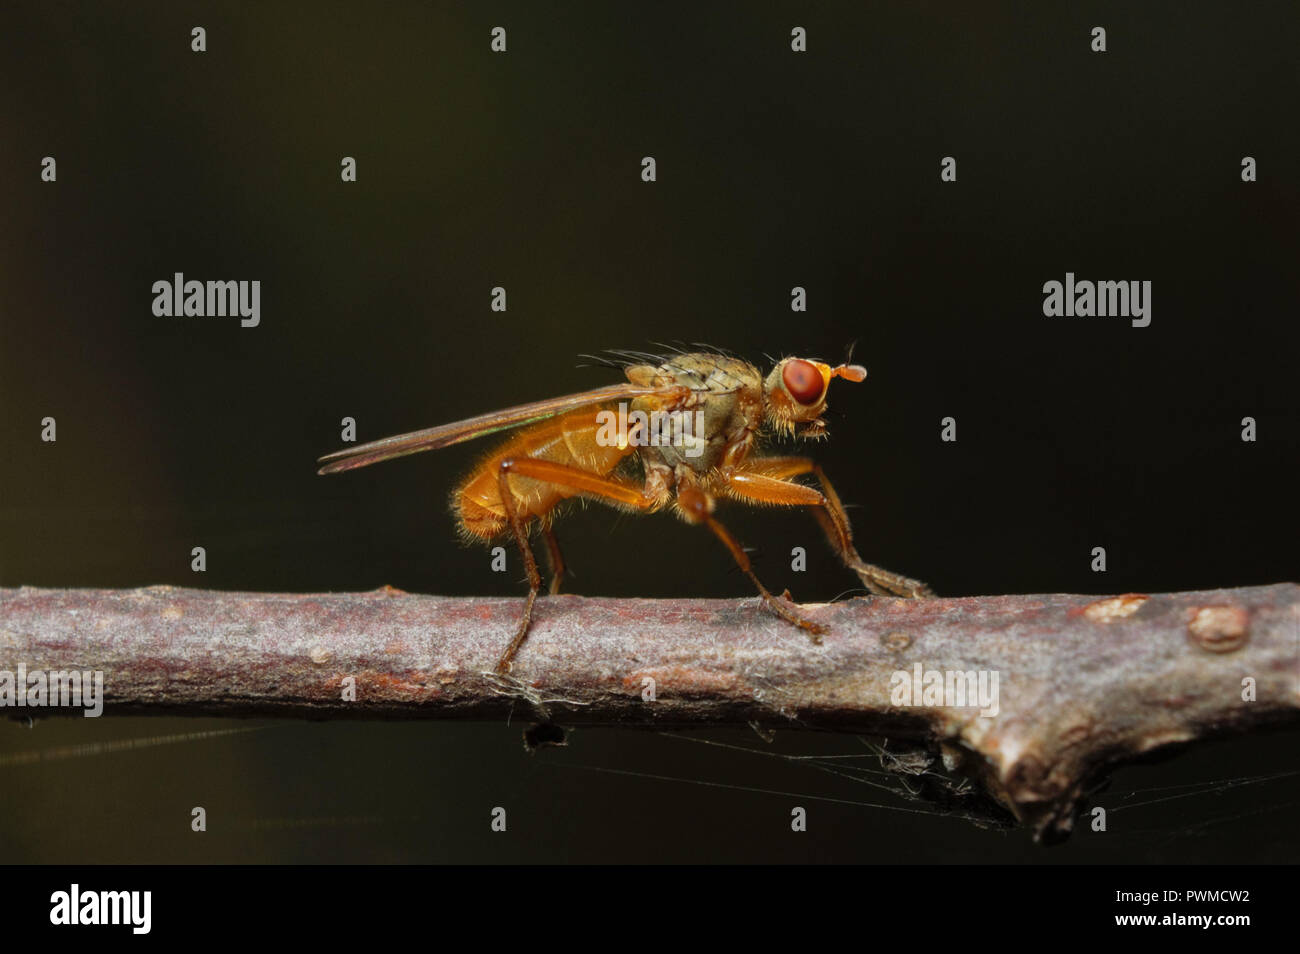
1083 681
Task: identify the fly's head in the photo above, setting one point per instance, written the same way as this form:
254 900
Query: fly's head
795 394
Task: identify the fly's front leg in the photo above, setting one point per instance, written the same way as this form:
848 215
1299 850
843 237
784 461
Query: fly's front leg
762 481
697 507
843 540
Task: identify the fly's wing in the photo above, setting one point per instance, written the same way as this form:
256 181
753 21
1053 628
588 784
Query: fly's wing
445 435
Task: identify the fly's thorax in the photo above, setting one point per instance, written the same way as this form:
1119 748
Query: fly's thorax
725 406
702 372
723 409
711 372
692 434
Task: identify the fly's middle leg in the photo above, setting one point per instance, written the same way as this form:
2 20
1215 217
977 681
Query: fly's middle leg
698 508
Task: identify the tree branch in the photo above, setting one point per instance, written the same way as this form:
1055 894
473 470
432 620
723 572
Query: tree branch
1083 681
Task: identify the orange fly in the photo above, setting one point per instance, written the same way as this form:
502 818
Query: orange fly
691 420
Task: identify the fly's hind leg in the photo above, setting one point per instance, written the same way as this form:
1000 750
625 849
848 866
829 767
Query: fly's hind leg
519 528
554 557
762 481
606 489
698 508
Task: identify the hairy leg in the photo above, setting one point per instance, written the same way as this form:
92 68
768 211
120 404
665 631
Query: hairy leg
698 508
763 481
606 489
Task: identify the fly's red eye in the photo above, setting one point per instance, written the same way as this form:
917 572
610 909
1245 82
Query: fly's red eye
803 381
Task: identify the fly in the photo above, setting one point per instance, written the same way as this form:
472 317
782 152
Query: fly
693 421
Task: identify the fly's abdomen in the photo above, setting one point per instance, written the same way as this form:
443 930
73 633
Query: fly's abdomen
570 440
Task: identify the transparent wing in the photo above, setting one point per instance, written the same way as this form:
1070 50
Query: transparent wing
445 435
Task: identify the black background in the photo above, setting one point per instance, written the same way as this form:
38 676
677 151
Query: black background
775 169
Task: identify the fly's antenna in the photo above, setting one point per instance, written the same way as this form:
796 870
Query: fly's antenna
850 372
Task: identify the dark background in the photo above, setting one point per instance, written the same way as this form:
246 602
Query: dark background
775 169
